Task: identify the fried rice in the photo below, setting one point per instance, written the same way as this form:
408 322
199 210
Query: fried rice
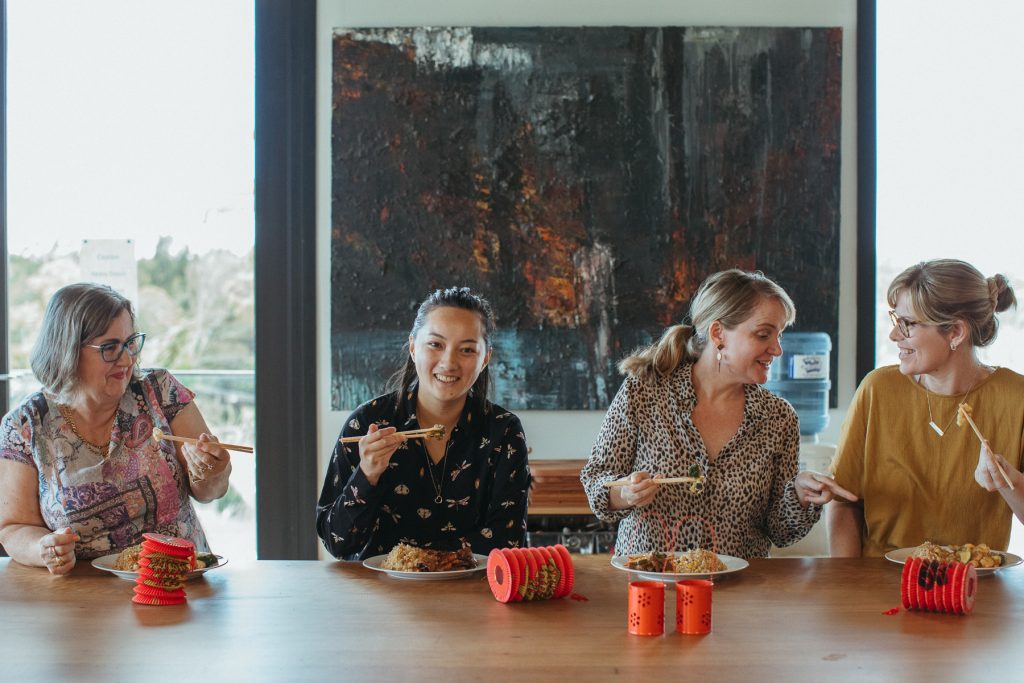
408 558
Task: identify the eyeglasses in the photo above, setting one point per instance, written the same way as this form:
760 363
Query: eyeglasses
111 351
904 325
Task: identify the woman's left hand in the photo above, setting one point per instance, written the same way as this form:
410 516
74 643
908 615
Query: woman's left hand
205 459
817 488
987 473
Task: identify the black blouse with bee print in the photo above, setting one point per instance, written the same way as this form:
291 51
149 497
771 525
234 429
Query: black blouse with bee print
481 483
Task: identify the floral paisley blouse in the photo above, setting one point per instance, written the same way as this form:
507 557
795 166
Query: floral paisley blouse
482 484
749 496
108 501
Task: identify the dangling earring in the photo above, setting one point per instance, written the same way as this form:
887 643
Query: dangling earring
718 356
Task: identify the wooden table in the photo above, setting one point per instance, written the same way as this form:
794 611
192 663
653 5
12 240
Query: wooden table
780 619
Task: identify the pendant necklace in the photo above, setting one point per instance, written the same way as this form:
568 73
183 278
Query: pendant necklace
931 421
438 486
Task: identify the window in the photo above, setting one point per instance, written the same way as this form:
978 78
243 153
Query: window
949 142
133 122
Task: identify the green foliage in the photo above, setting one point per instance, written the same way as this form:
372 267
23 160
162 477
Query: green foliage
167 272
21 269
231 502
197 309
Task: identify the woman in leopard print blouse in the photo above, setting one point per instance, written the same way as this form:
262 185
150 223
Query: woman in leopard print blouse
691 403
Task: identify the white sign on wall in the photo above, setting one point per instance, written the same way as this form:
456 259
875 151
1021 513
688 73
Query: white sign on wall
111 262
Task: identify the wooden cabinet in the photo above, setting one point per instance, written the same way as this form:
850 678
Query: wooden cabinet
557 489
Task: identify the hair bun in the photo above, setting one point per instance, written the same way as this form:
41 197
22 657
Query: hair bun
1000 293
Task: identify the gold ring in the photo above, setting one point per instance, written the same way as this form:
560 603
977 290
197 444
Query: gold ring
60 561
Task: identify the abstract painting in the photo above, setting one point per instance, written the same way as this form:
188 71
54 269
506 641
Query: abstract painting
585 180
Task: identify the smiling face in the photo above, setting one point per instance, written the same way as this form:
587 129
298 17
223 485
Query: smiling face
926 350
751 346
99 380
449 352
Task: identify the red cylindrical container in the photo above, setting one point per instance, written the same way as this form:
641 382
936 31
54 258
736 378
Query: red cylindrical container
693 607
646 615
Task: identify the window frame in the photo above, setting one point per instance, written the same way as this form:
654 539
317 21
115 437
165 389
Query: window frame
285 280
867 177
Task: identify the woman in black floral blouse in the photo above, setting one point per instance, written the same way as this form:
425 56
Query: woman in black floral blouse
691 403
469 488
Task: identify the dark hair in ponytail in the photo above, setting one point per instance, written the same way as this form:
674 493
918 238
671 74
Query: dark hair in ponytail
454 297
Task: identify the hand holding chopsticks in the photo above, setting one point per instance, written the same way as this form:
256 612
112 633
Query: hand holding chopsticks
964 413
695 480
435 432
159 435
664 480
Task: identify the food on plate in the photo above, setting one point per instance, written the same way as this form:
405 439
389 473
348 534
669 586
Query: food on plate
697 561
651 562
979 555
204 560
128 559
933 551
408 558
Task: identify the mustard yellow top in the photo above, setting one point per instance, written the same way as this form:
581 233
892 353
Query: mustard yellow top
917 486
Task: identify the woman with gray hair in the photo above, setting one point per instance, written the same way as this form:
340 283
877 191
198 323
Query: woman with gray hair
80 475
919 475
691 405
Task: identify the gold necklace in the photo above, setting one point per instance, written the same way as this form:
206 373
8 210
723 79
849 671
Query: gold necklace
65 411
927 397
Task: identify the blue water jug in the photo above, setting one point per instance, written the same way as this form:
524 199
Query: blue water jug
801 377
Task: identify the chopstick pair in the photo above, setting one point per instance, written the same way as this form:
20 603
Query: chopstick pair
665 480
158 435
964 411
435 432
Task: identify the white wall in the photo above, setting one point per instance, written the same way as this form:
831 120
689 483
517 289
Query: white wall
570 434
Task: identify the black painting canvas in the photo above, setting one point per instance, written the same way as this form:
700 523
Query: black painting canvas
585 180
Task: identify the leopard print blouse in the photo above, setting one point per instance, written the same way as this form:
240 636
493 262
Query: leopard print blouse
749 496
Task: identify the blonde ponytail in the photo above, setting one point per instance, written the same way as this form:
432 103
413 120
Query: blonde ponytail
729 297
677 345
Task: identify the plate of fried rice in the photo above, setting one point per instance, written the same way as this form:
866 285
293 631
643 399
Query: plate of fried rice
985 560
426 564
679 566
125 564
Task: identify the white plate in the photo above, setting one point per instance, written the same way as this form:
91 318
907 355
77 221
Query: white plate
375 562
106 563
732 564
900 555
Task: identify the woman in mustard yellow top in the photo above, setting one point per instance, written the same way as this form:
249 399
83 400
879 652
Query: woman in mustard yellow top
919 475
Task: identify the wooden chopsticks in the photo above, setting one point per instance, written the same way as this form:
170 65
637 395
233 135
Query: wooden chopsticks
665 480
158 435
964 411
435 432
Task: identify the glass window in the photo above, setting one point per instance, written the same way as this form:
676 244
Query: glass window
133 122
949 142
